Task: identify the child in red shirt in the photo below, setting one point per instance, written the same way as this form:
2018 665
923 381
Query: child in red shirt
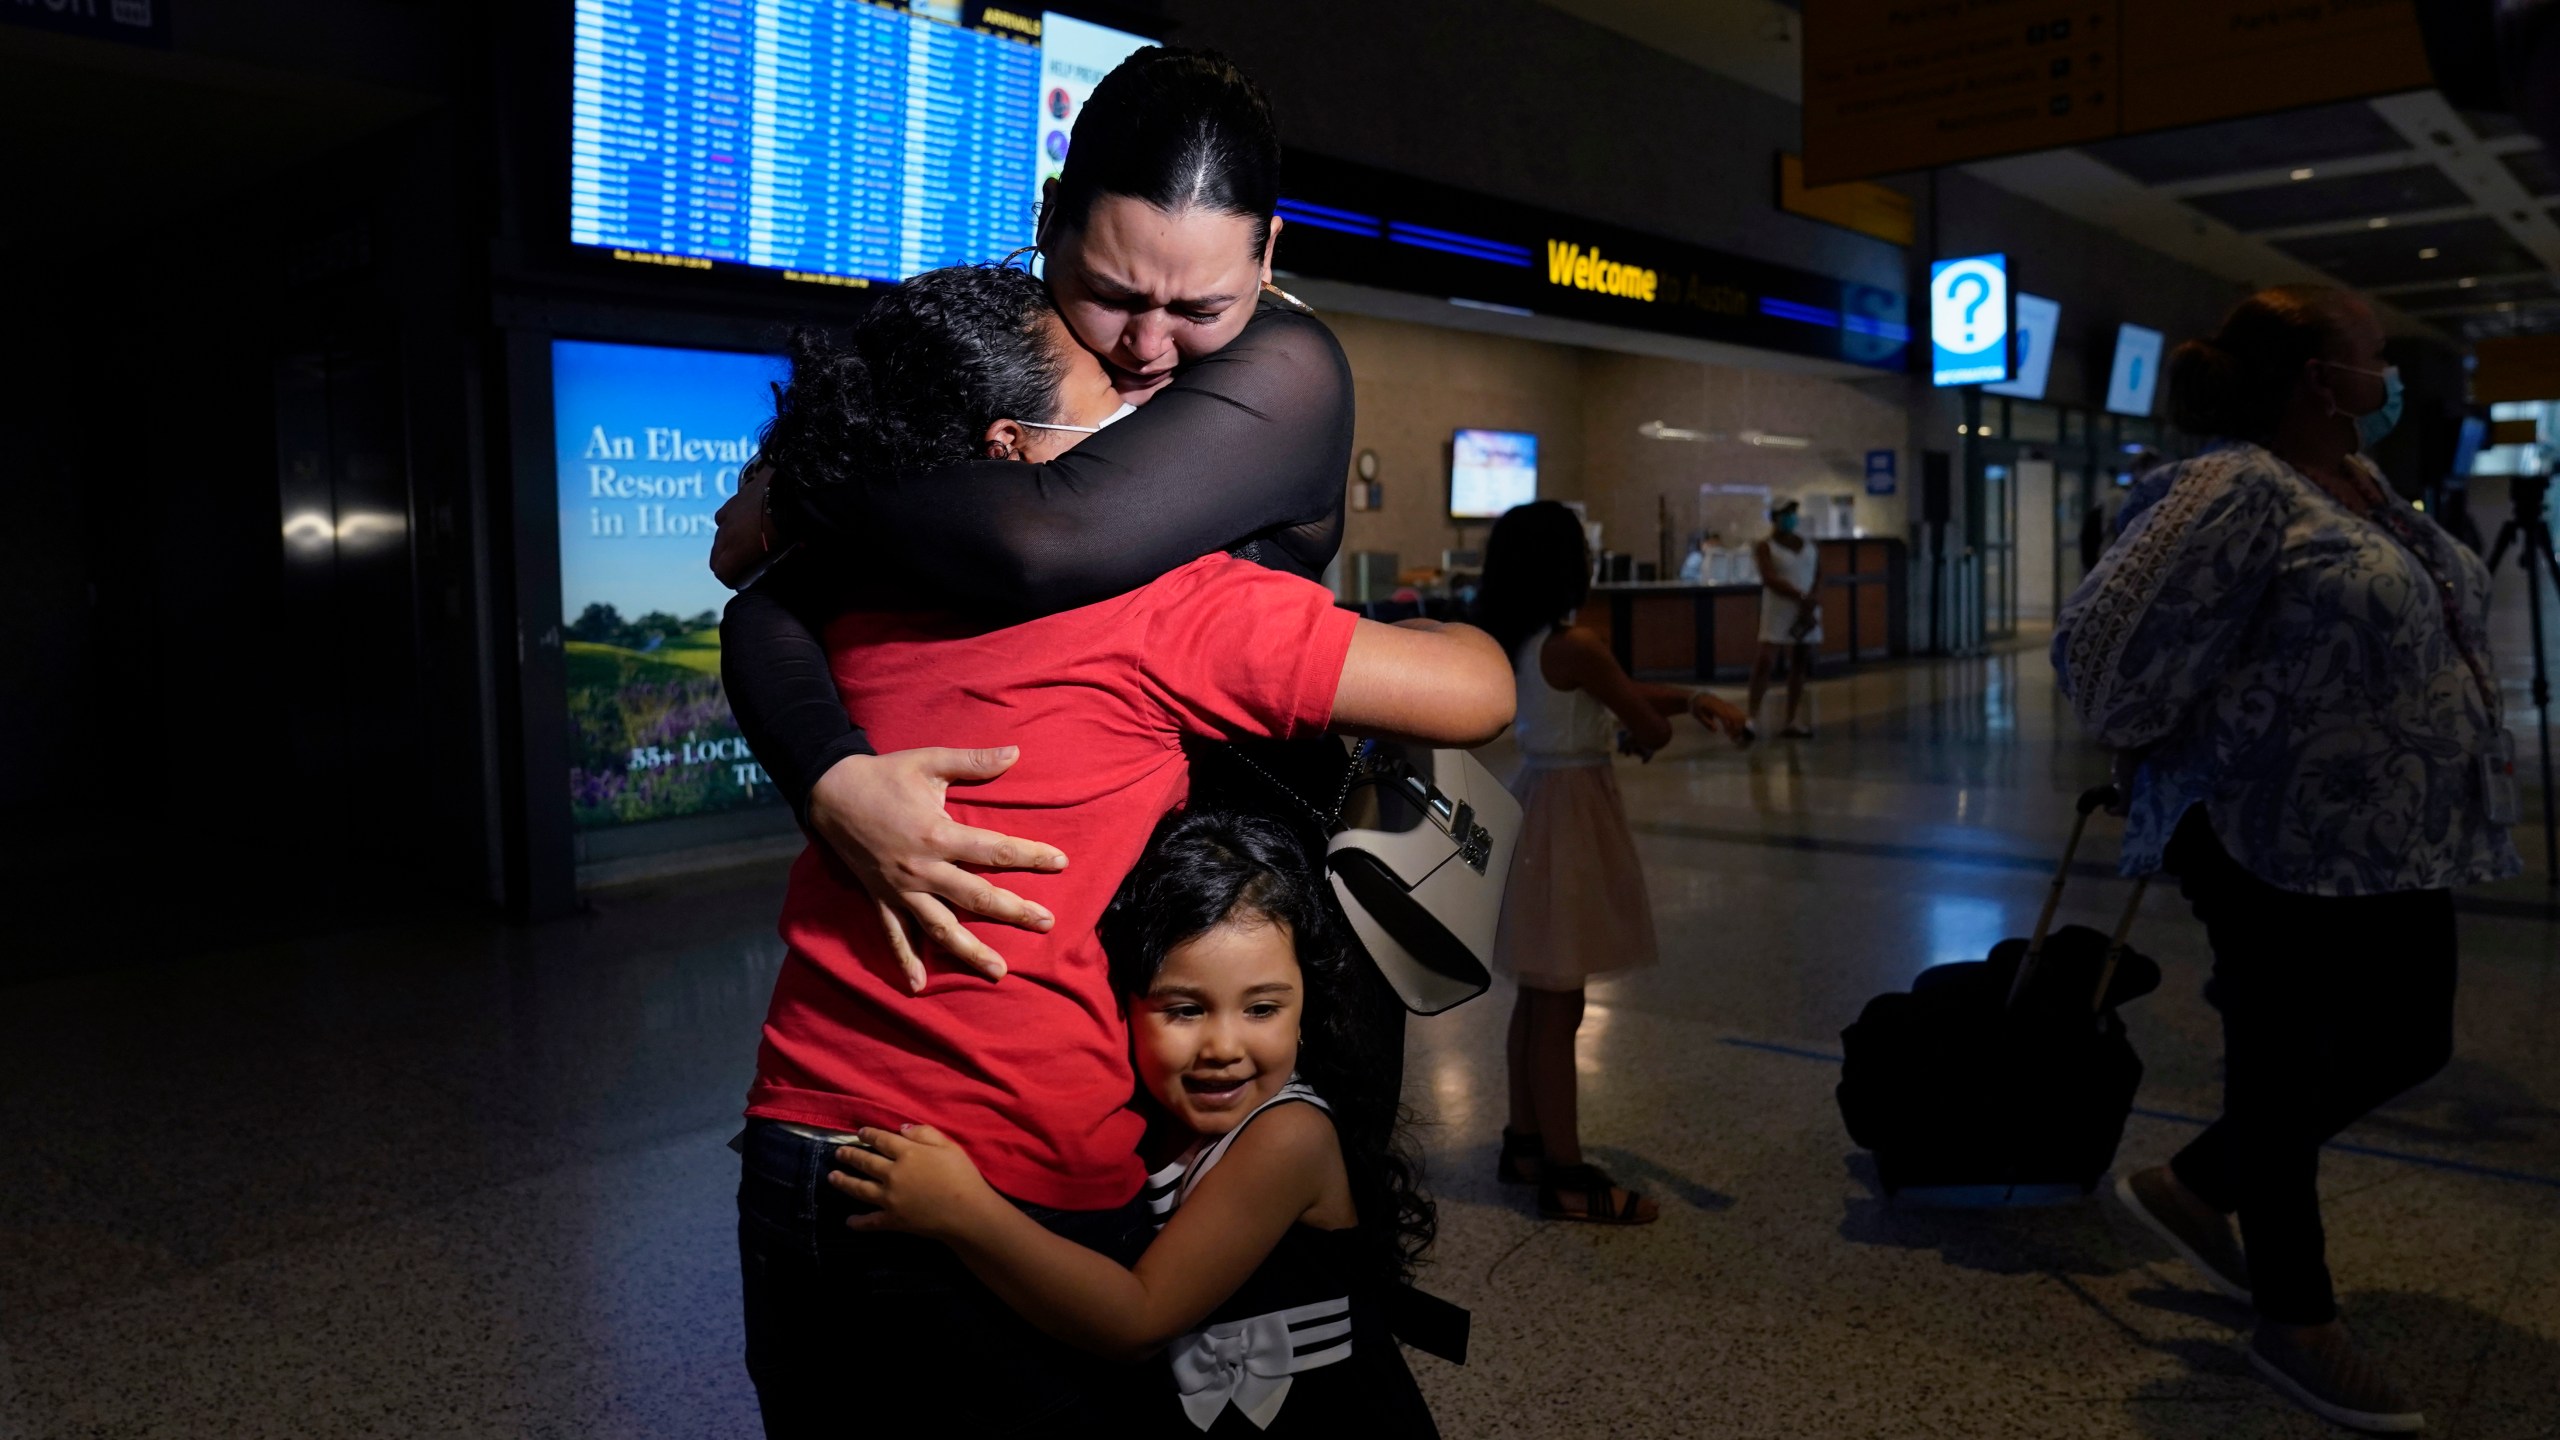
1031 1070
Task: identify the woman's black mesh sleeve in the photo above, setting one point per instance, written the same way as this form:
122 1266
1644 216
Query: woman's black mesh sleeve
1249 444
779 685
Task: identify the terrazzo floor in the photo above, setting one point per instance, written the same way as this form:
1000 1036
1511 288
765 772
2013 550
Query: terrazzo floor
466 1180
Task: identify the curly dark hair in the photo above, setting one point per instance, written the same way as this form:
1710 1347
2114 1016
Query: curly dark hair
925 370
1180 129
1537 570
1204 869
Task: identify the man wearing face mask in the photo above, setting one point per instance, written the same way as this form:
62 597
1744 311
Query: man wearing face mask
2295 658
1790 618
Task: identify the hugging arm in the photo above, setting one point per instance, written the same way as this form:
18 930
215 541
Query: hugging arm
1424 681
1247 444
1271 1175
882 816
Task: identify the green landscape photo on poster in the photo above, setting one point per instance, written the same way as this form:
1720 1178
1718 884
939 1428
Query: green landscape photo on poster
651 440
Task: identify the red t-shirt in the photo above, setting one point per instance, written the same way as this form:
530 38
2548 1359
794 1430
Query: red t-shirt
1031 1073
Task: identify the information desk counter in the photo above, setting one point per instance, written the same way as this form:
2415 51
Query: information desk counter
1675 630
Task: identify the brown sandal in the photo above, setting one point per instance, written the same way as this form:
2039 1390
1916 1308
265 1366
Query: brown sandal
1599 1207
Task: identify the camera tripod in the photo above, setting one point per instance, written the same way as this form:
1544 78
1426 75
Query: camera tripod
2530 523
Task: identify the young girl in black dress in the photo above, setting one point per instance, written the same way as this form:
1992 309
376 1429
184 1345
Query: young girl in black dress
1290 1210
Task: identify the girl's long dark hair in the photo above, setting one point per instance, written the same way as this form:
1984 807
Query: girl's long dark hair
1208 868
1537 570
1181 130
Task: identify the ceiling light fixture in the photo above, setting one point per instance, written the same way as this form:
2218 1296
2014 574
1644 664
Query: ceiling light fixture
2467 281
1780 442
2302 174
2429 253
2377 222
1656 430
1964 429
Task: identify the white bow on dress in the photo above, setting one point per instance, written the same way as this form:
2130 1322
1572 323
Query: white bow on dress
1250 1362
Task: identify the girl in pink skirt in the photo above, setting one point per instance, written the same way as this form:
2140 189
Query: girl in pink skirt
1575 906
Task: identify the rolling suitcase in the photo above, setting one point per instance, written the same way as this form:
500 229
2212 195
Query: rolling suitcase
2005 1075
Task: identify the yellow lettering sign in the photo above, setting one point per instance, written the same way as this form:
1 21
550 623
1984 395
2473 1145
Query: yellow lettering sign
1574 267
1008 20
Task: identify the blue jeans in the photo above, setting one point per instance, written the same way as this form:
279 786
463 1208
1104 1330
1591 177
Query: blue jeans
849 1330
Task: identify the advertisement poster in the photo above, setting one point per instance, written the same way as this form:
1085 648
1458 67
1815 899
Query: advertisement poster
650 442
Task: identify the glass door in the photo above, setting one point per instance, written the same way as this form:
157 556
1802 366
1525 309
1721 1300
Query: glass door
1997 519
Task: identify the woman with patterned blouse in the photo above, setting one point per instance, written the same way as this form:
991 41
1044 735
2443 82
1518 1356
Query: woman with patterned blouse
2295 660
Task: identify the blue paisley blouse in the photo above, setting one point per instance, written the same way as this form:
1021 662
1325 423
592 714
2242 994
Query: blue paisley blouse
2317 681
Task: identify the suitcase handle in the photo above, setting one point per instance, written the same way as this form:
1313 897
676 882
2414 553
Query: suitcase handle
2115 947
2092 800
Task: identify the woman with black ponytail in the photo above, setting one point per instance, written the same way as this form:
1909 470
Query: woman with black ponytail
1158 240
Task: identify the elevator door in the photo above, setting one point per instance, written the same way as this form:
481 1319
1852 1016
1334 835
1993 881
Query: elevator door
350 691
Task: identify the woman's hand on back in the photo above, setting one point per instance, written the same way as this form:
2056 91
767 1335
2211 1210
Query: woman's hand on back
884 817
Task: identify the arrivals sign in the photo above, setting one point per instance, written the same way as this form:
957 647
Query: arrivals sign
1969 320
1371 227
1898 85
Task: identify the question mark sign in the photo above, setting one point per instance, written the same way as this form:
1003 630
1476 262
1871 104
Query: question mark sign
1972 307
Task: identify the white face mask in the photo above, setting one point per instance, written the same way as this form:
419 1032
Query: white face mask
1115 417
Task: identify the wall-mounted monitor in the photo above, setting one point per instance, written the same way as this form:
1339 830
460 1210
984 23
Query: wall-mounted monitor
650 441
1490 471
1969 320
2466 445
2135 379
834 141
2039 320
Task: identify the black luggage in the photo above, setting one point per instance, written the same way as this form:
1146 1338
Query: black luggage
2011 1072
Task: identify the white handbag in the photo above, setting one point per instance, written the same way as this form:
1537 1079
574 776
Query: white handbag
1421 881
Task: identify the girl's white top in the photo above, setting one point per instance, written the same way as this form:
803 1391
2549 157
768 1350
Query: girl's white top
1557 727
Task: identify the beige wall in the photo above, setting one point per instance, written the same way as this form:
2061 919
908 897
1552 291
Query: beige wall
1628 475
1416 383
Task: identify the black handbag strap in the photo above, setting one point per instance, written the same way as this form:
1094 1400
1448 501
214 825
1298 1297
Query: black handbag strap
1330 822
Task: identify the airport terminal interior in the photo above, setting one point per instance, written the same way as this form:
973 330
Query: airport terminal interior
394 885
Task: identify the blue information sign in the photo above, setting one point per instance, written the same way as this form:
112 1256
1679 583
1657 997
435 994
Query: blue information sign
1880 471
1969 320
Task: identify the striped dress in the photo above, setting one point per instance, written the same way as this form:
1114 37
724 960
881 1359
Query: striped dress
1301 1348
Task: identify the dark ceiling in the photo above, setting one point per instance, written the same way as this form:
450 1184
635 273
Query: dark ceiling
2404 210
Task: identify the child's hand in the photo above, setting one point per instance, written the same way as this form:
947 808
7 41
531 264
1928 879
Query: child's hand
1724 715
922 1183
1628 745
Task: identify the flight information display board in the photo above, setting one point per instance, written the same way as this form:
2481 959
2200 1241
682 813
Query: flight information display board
836 141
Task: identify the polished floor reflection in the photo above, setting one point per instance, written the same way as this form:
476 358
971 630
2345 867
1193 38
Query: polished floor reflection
470 1181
